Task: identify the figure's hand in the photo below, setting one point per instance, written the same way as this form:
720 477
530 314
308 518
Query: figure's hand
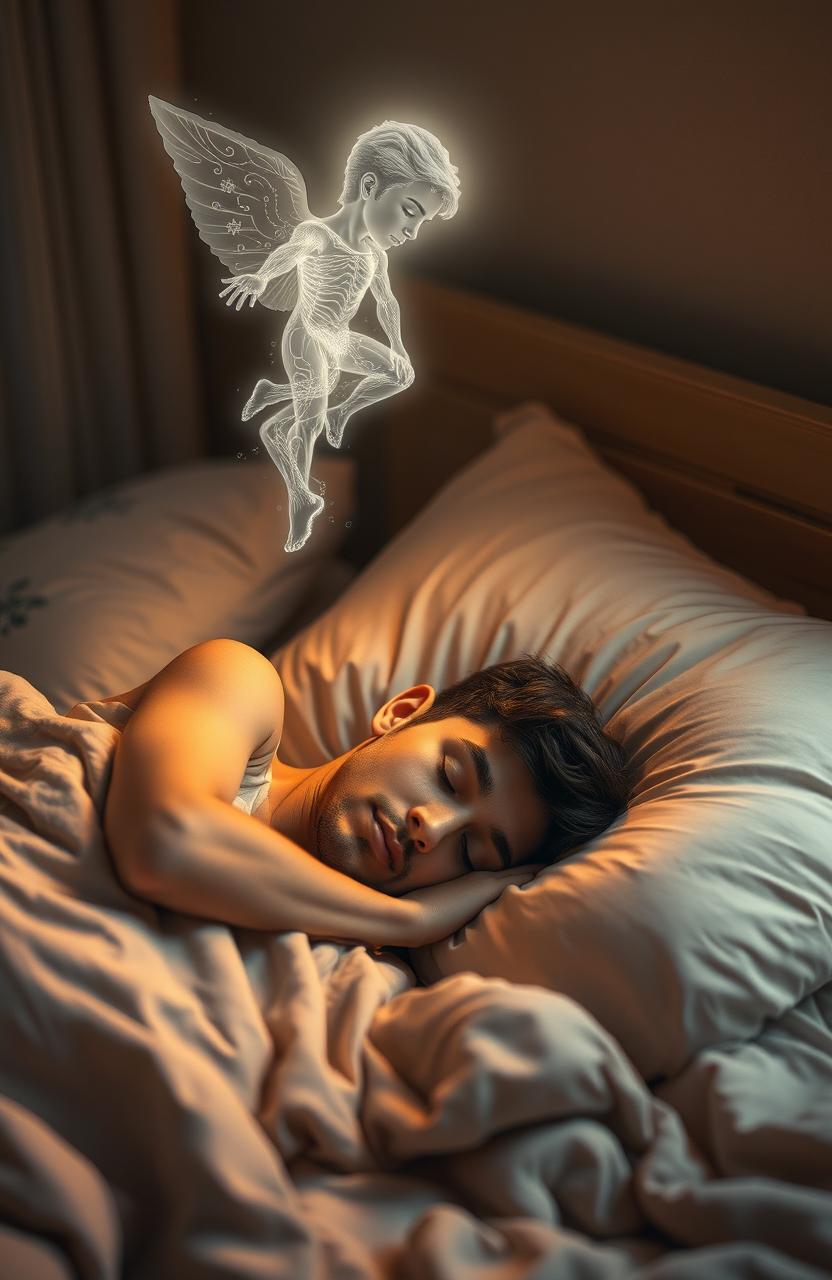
443 908
242 287
402 367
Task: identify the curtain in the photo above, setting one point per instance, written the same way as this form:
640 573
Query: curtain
99 371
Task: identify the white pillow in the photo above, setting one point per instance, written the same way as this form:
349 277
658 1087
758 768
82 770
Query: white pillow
102 595
707 908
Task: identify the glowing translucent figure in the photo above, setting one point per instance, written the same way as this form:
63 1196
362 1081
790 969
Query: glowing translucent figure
249 205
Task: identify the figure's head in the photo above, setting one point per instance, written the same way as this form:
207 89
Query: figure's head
403 176
510 763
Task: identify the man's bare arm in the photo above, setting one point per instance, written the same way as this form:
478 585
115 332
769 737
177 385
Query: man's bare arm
389 314
306 238
221 864
249 285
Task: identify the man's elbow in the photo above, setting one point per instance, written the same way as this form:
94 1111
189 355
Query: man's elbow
144 857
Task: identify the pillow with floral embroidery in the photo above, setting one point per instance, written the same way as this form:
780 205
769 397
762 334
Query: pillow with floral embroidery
101 596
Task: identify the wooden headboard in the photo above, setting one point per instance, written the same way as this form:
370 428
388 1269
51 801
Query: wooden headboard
742 470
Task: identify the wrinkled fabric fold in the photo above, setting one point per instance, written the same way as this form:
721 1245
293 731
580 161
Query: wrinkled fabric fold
183 1099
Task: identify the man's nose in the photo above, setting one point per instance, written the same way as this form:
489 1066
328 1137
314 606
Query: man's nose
427 825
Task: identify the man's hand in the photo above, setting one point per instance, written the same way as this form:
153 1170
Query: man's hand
242 287
402 367
444 908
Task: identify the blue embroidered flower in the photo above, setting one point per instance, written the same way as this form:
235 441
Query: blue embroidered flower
15 605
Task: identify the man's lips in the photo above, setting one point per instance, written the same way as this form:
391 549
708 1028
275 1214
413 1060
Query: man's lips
384 844
377 844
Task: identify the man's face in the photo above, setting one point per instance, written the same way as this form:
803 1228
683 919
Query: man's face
398 779
399 213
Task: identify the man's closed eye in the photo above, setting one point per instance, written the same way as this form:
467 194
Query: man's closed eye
446 783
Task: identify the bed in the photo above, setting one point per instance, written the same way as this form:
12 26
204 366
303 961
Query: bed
623 1068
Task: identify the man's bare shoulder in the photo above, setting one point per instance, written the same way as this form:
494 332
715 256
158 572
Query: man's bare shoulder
257 680
311 236
270 744
250 680
198 723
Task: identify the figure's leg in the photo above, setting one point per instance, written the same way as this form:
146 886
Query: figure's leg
314 416
313 370
290 434
266 393
364 355
304 505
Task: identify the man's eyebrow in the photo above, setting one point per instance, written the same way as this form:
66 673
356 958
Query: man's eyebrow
485 781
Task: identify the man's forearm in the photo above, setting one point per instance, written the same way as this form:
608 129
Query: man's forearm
224 865
389 317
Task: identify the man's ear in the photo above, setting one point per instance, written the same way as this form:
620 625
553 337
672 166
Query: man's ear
403 706
368 184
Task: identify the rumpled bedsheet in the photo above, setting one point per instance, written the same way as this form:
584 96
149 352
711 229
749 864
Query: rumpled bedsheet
183 1099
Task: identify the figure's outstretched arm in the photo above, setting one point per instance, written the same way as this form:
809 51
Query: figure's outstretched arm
307 238
386 305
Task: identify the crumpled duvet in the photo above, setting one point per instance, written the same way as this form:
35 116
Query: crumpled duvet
183 1099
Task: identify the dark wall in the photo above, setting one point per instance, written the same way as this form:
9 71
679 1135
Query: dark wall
659 171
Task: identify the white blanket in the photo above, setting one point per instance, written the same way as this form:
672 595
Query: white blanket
182 1099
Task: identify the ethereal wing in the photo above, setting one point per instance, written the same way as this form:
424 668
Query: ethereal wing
244 199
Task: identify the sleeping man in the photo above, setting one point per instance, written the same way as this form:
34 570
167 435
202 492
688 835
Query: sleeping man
398 842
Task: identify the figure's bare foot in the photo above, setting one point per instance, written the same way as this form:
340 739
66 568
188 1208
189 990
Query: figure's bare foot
304 506
265 393
336 420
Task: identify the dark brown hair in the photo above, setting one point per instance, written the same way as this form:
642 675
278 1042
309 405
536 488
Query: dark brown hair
579 771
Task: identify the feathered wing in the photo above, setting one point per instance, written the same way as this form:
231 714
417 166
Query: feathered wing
245 199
